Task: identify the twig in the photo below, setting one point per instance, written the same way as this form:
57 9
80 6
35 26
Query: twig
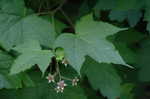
65 78
60 6
58 71
53 11
39 9
67 18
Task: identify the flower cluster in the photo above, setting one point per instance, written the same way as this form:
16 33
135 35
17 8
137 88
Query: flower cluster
60 85
60 81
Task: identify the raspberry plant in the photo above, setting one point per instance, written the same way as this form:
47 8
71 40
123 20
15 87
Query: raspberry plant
74 49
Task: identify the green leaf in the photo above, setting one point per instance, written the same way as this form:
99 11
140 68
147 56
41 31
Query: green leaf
148 27
128 55
19 80
144 61
15 81
126 92
43 90
31 45
31 55
5 61
26 80
128 36
147 18
90 39
118 5
3 82
12 7
147 13
132 16
24 29
17 27
103 77
124 42
59 26
27 60
5 64
128 5
104 5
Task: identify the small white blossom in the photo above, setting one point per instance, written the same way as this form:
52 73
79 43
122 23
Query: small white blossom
60 86
50 78
75 81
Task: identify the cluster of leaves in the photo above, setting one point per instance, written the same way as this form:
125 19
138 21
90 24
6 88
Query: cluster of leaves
104 42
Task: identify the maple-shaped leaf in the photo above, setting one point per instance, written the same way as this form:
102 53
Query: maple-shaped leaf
17 27
90 39
31 55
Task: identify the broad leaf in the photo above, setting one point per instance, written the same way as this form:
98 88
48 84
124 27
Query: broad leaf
16 28
31 45
123 42
22 30
15 81
128 36
19 80
90 39
16 7
127 54
103 77
31 55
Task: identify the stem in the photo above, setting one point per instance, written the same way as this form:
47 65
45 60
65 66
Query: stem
67 18
59 74
53 23
58 71
54 11
66 78
60 6
39 9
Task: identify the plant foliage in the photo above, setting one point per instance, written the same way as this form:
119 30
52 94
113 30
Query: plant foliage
83 49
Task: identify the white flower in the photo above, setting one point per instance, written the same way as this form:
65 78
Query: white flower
60 86
50 78
75 81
